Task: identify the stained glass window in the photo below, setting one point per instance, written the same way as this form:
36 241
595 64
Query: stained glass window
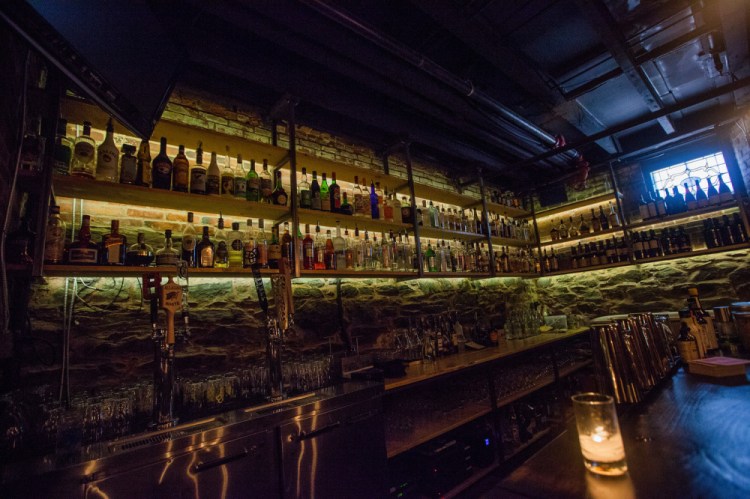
706 168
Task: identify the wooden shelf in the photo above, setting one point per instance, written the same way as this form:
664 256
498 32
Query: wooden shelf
473 479
417 372
426 432
123 271
76 112
362 274
329 219
588 269
539 384
707 251
507 211
456 275
597 236
688 216
576 205
516 243
441 196
575 366
436 233
83 188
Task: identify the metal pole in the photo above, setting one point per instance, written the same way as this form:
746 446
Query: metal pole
486 215
293 183
410 176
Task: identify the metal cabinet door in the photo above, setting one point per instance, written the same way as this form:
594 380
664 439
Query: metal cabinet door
240 468
337 454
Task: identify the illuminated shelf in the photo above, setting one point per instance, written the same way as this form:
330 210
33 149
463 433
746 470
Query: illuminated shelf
577 205
501 209
434 428
123 271
457 275
441 196
436 233
588 269
539 384
707 251
516 243
329 219
362 274
83 188
597 236
688 216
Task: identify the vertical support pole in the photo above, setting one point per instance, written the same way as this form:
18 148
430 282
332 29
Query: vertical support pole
623 223
293 183
386 166
536 234
413 201
486 216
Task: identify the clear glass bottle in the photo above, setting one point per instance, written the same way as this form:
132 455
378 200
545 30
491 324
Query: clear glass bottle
261 244
168 254
83 163
613 217
240 181
265 183
54 242
63 150
114 246
303 191
213 177
249 252
198 173
227 177
140 254
236 246
108 157
339 248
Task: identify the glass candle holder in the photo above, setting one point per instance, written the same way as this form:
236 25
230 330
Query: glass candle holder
599 434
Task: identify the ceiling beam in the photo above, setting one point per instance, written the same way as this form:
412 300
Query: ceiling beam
604 24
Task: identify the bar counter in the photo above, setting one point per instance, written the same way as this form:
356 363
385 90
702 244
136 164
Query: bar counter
690 438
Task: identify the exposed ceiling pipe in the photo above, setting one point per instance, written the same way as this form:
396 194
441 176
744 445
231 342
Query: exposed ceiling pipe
417 59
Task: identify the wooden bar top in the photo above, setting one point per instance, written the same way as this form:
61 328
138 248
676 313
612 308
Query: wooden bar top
690 438
417 372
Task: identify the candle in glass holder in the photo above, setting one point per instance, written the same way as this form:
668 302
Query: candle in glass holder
599 434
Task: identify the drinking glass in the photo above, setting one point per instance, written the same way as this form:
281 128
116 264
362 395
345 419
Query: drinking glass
599 434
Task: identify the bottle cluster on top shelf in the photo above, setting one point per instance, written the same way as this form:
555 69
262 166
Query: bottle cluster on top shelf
653 205
598 222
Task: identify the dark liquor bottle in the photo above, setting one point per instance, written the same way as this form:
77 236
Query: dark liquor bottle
308 250
603 220
690 202
666 243
63 150
114 246
680 205
144 175
140 253
669 202
637 246
189 242
406 211
161 168
725 193
261 244
253 184
654 246
652 211
374 202
83 251
727 238
278 196
346 208
274 249
685 244
287 247
205 250
700 195
739 233
709 236
198 173
713 194
661 205
334 192
180 171
128 165
221 257
315 203
305 196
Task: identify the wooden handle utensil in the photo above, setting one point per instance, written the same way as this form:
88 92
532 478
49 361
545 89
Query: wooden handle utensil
171 301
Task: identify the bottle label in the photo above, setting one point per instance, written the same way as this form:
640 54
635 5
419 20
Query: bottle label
162 168
266 187
188 243
305 199
181 175
336 196
146 172
167 258
253 183
83 255
359 204
84 152
213 184
207 257
325 202
249 255
227 185
222 252
281 199
406 214
198 180
54 245
237 245
316 202
114 251
240 187
274 251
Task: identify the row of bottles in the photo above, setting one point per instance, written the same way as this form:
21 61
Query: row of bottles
718 232
653 205
672 241
585 255
582 227
506 198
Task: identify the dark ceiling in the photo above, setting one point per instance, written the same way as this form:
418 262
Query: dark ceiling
488 83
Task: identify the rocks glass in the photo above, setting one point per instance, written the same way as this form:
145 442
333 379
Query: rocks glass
599 434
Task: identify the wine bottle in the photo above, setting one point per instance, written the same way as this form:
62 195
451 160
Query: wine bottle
725 193
253 184
145 173
713 194
700 195
189 242
305 196
325 195
240 181
690 202
335 194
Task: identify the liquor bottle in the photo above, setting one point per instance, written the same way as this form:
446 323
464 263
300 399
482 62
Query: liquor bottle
358 198
240 182
709 235
387 207
573 230
687 345
261 244
669 202
83 163
198 173
189 242
128 165
325 194
213 177
423 215
366 206
652 211
349 251
114 246
62 153
700 195
690 202
661 205
433 215
346 208
654 244
603 220
339 249
406 211
684 242
221 255
287 247
144 177
265 183
227 177
563 229
613 217
583 226
554 233
54 241
429 258
278 196
381 198
236 246
249 251
611 250
161 168
329 255
319 250
554 261
386 256
334 192
205 250
713 195
308 250
32 146
253 184
727 237
274 248
396 207
83 251
140 254
107 157
637 246
643 208
739 233
315 203
725 193
596 224
168 254
303 191
180 171
680 205
374 202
